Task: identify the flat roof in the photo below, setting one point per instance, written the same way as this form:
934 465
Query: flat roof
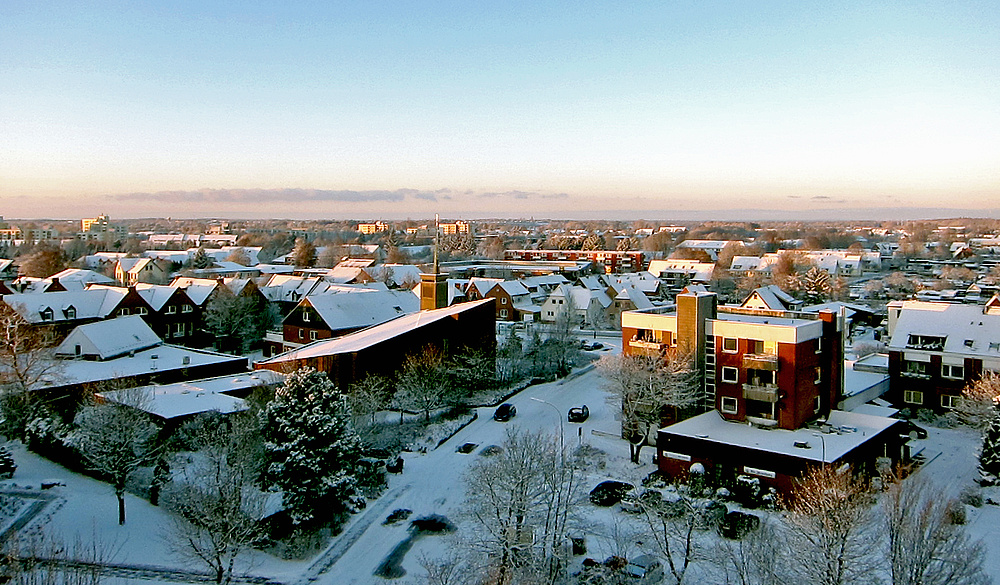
196 396
850 430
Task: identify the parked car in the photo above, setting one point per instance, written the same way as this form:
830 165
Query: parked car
645 568
579 413
504 412
610 492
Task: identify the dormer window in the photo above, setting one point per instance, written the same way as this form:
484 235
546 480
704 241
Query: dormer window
70 312
45 314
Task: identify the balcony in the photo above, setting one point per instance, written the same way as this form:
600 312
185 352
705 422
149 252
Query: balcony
761 361
768 393
647 345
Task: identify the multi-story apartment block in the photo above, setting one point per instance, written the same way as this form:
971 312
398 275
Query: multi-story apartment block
458 227
373 228
770 381
612 261
936 349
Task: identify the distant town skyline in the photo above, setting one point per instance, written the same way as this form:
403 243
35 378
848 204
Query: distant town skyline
768 110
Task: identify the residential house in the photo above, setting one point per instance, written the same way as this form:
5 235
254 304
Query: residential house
132 271
936 349
513 301
611 261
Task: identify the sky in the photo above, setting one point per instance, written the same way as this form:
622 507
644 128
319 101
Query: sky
386 109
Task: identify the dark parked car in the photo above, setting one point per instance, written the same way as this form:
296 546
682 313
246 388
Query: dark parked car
579 413
609 493
504 412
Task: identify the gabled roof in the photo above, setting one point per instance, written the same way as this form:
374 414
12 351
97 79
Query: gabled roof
373 335
362 309
110 338
92 303
513 288
156 295
78 279
744 263
969 330
133 265
400 273
482 285
288 288
197 289
631 293
770 297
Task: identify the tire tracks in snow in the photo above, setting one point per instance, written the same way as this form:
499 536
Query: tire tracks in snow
345 541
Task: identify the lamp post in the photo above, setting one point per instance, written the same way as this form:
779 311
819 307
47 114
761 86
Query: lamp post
562 435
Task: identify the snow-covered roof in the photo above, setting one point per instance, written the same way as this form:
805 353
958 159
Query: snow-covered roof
770 297
744 263
156 295
170 401
162 358
109 338
969 330
197 289
857 381
343 274
399 273
92 303
851 429
513 288
373 335
629 292
483 285
78 279
362 309
695 269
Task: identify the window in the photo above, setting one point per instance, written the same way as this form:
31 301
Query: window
819 374
71 313
953 372
911 368
730 405
46 314
312 335
755 346
819 345
730 374
729 344
302 333
817 403
503 300
172 309
913 397
305 316
178 330
949 401
503 313
186 309
139 311
123 312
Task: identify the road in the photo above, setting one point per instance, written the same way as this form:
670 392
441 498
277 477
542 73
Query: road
431 483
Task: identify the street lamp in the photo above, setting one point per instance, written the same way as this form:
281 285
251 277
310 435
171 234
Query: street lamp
562 435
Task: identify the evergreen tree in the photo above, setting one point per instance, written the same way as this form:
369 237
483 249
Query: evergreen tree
989 457
311 450
200 260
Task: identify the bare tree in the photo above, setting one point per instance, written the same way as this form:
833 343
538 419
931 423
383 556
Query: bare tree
424 383
26 362
521 500
643 385
366 398
115 440
673 525
759 558
218 507
978 404
926 546
304 253
830 524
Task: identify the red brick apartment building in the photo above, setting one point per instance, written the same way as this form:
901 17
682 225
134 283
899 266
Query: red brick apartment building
769 380
614 262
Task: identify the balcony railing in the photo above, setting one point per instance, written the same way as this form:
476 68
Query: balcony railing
767 393
761 361
647 345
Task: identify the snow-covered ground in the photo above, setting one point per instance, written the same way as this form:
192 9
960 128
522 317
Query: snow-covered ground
432 483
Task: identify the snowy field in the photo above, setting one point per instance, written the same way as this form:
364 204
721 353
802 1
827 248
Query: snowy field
431 483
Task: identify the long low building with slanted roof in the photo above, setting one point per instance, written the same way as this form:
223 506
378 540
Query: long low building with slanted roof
383 349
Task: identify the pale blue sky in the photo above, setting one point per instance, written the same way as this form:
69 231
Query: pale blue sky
476 109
